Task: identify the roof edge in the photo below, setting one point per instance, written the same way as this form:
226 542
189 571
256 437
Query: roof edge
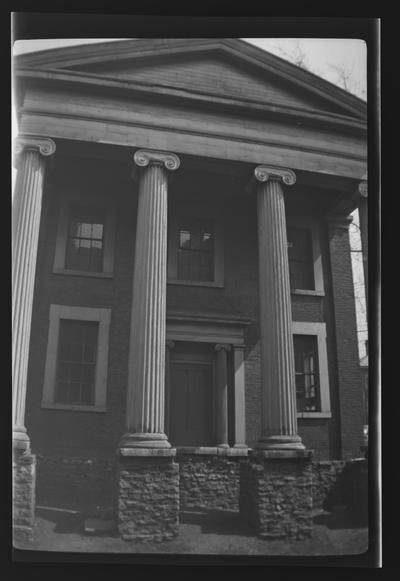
139 48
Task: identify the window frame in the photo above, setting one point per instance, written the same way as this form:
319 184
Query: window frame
173 247
103 318
66 205
314 228
319 331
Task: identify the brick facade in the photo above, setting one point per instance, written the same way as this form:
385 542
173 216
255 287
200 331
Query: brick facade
99 433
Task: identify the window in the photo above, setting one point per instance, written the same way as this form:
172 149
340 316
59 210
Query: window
195 251
85 238
76 362
77 358
311 369
306 367
301 266
304 252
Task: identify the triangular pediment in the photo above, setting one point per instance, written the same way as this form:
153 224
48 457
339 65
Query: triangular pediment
228 68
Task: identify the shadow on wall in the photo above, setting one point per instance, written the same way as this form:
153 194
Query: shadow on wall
339 486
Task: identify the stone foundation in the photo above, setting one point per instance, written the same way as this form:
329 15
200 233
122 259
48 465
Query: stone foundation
209 481
276 494
24 477
148 497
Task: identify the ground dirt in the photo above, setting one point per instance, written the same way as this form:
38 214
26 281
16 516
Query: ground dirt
201 532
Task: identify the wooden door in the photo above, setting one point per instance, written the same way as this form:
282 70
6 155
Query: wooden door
191 421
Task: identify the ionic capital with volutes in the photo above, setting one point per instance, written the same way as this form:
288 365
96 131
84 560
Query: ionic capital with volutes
145 157
264 173
44 145
222 346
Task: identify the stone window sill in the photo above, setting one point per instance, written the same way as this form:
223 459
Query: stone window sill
70 272
312 293
212 284
313 415
74 408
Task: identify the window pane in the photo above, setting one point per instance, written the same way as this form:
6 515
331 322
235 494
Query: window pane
76 364
97 231
196 251
184 239
85 242
306 368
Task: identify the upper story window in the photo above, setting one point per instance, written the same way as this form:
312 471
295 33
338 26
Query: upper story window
196 251
85 244
305 262
85 238
301 264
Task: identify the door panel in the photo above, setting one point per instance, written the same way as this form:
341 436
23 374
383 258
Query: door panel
191 404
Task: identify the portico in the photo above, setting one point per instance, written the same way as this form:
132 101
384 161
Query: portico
202 261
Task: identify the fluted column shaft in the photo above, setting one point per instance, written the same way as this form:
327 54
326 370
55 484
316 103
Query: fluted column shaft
169 345
222 395
27 205
279 421
146 371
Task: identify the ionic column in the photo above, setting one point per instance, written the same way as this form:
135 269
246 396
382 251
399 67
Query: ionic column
169 345
146 371
27 205
222 395
363 215
239 388
279 421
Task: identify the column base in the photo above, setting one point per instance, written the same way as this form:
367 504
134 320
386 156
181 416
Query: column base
147 498
280 443
144 440
24 481
276 495
20 439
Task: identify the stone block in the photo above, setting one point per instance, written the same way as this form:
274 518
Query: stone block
276 496
24 480
148 498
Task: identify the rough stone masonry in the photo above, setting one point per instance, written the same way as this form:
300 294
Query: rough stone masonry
148 498
276 496
24 476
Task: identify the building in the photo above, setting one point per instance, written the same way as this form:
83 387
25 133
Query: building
182 268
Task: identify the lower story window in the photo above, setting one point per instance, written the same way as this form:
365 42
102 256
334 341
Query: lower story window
76 365
77 358
307 376
311 369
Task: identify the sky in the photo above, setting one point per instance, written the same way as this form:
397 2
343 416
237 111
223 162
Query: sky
323 57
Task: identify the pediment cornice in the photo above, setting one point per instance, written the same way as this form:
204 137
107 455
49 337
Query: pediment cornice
88 60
